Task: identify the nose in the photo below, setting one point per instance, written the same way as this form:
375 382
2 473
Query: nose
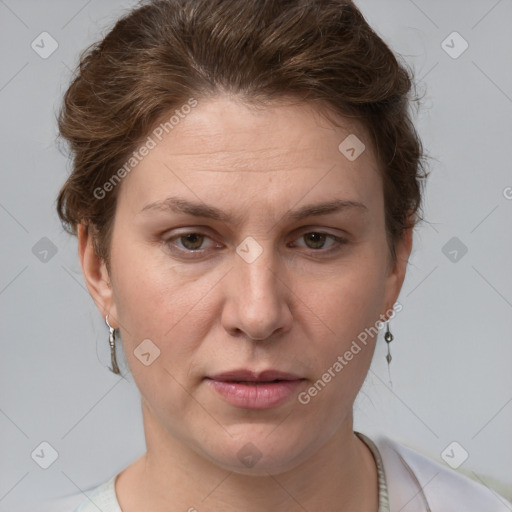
257 302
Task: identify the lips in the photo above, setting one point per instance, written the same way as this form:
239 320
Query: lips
247 389
254 377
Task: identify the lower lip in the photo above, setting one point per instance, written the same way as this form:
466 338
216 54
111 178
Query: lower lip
255 396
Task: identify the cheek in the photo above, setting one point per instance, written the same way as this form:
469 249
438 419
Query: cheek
349 306
148 294
351 298
158 317
157 302
361 294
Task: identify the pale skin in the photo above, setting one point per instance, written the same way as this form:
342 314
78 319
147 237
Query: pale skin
296 308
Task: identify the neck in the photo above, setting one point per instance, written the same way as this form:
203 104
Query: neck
341 475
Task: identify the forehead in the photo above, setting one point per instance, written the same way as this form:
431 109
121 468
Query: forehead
244 131
223 145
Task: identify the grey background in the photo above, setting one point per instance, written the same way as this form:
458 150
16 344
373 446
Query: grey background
452 354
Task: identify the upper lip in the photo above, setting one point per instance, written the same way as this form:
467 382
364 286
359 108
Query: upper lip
250 376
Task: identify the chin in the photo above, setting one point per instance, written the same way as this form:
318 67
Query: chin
253 462
259 452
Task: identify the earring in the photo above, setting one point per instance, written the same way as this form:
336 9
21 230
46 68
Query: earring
112 342
388 337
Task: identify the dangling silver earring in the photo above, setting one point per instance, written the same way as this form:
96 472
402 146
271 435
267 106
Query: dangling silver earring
388 338
112 342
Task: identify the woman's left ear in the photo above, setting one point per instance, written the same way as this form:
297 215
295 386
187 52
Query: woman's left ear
397 270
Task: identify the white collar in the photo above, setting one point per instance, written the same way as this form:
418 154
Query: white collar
416 483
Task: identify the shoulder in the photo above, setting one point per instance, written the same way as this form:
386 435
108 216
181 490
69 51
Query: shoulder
101 498
418 483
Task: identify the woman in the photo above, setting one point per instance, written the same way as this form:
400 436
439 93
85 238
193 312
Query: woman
245 183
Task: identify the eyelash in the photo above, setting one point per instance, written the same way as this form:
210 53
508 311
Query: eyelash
339 241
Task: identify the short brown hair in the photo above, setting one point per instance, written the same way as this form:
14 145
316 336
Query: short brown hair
159 55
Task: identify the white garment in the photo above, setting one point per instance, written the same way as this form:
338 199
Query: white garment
416 483
408 482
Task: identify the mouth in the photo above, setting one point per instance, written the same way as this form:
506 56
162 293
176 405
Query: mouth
249 376
252 390
254 383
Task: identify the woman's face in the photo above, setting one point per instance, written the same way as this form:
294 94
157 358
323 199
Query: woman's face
224 257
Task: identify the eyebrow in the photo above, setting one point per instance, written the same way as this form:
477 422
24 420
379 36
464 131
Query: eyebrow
180 205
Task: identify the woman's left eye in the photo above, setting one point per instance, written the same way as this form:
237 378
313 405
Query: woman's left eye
318 240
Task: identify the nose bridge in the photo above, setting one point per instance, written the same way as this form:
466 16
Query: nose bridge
258 301
254 269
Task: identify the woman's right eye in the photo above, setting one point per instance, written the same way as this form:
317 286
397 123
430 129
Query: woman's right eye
190 242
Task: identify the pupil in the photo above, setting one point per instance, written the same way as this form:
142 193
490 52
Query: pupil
320 239
190 240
